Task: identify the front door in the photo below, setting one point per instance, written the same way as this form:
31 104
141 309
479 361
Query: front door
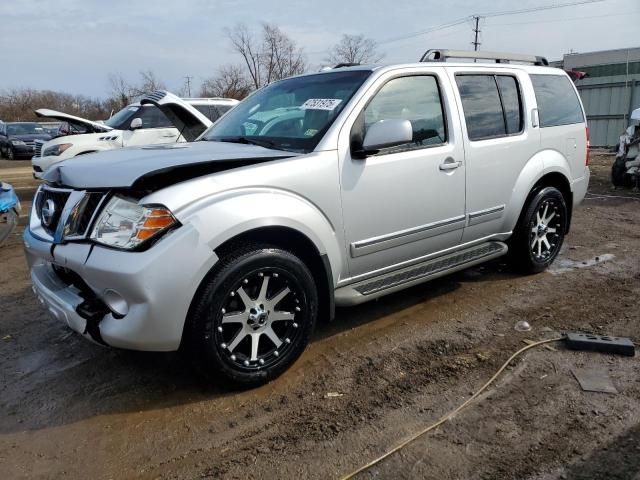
156 128
405 202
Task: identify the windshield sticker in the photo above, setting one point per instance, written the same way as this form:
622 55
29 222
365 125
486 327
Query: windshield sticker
310 132
321 104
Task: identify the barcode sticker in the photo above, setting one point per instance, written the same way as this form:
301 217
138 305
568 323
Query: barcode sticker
321 104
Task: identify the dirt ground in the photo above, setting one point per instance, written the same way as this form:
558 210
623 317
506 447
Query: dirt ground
71 409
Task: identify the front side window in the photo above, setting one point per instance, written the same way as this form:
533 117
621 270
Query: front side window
291 114
558 103
416 99
492 105
122 119
152 117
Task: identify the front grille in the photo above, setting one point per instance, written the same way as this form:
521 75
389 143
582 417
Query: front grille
38 147
30 143
59 200
76 209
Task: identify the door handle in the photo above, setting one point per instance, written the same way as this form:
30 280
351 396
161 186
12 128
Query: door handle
170 135
449 164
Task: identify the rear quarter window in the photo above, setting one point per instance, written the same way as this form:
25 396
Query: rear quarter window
558 103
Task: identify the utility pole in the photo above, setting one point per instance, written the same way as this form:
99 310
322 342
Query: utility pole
476 30
188 78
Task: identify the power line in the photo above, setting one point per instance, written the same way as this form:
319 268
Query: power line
487 15
537 9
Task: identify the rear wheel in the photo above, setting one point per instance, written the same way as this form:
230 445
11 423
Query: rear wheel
540 231
254 315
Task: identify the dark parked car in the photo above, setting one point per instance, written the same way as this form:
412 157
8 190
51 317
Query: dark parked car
17 139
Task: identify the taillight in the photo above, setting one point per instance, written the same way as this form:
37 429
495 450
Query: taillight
586 160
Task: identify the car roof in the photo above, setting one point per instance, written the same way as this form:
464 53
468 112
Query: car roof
470 65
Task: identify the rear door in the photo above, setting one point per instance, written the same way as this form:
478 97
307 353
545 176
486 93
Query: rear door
499 139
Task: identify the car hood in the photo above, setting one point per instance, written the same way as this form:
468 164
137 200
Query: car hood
155 166
184 117
65 117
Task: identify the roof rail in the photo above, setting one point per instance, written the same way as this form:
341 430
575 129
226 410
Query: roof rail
346 64
442 55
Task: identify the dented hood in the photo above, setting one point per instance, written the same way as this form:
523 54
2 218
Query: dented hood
73 120
155 166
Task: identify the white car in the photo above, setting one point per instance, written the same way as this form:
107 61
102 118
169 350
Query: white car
138 124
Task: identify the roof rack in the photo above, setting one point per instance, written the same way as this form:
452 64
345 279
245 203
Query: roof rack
442 55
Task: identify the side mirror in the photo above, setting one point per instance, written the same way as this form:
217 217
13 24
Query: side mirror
385 134
136 123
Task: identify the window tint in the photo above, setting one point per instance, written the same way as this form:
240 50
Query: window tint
481 105
492 105
416 99
558 103
510 103
152 117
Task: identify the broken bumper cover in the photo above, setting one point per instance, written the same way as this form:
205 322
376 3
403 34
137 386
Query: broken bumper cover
132 300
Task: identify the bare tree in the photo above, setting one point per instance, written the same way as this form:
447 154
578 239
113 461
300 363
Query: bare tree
120 91
229 82
354 49
272 57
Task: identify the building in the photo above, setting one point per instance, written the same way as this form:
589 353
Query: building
610 91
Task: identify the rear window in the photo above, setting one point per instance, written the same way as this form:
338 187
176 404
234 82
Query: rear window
558 103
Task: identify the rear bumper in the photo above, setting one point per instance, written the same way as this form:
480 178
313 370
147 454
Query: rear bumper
155 286
579 187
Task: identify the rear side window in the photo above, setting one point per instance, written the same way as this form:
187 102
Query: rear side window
492 105
558 103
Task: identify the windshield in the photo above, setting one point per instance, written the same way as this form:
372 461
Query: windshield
120 118
24 129
291 114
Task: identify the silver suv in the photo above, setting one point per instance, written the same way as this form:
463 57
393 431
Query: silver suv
325 189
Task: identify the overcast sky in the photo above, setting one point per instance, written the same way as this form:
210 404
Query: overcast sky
73 45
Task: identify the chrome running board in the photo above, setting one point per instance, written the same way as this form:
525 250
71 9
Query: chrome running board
375 287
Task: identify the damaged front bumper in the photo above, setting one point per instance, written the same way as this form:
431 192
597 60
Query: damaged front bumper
132 300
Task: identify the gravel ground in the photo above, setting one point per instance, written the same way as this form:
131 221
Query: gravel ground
71 409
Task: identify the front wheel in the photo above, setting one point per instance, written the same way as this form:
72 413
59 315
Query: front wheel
540 231
10 153
254 315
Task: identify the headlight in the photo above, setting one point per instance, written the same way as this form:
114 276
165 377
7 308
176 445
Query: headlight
17 142
125 224
56 150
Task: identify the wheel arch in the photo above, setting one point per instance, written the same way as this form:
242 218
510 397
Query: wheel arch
300 245
533 178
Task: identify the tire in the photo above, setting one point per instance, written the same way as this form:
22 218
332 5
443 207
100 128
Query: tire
619 177
536 243
10 154
246 333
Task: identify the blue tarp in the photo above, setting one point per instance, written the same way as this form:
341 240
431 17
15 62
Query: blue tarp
8 198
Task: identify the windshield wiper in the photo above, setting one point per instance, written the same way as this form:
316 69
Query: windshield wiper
251 141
